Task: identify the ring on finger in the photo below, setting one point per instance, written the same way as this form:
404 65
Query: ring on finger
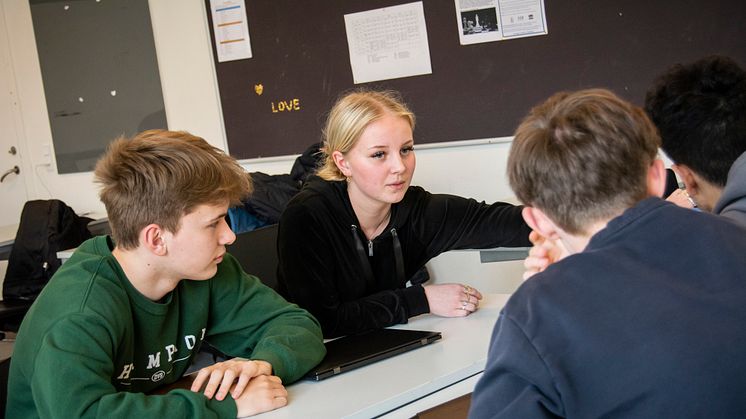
463 305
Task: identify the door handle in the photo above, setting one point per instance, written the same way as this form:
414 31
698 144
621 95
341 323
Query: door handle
15 170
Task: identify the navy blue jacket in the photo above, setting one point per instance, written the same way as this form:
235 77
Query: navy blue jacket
648 322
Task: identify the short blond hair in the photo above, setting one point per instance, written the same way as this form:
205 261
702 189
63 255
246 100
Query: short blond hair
582 157
349 117
159 176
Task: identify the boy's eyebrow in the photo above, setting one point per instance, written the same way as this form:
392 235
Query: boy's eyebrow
217 218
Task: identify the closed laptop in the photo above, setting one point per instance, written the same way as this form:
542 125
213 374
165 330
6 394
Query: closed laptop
354 351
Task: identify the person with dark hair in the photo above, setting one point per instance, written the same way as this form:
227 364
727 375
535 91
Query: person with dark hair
355 236
128 313
624 325
700 111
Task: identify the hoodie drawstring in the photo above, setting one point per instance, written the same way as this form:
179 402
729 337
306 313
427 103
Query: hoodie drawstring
398 257
365 263
367 272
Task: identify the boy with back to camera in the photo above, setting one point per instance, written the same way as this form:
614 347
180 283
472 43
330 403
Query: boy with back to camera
644 315
127 314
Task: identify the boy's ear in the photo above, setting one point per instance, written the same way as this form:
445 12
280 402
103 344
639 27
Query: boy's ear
657 178
688 177
152 238
540 223
342 165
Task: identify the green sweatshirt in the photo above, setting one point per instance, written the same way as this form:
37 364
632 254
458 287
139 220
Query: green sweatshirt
93 346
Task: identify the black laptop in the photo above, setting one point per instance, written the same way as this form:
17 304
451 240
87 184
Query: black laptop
354 351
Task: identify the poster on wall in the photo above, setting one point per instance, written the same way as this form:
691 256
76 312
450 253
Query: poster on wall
388 43
231 29
498 20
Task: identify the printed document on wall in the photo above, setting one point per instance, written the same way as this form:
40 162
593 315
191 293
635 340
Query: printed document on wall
498 20
231 29
388 43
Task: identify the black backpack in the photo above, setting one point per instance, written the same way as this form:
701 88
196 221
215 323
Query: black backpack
46 227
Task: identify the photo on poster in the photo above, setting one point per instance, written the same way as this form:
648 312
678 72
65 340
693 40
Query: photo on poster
498 20
479 21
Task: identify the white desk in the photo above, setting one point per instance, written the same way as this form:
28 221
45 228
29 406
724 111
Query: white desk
64 255
408 383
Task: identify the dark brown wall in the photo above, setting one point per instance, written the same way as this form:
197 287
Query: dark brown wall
475 91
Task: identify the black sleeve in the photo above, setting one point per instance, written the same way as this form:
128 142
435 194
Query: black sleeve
309 276
448 222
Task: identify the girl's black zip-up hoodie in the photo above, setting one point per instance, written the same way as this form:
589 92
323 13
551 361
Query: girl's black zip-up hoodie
351 284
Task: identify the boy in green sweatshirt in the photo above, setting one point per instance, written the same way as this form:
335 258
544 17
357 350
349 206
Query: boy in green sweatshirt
127 313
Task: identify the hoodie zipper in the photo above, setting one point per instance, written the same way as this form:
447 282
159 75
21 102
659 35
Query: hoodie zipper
370 242
398 255
365 263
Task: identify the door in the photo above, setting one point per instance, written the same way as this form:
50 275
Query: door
13 192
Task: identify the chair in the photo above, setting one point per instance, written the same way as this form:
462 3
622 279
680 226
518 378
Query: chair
99 227
31 261
256 251
12 313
